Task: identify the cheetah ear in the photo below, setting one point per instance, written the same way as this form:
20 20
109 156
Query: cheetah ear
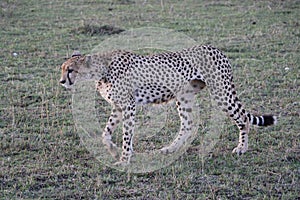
85 60
76 53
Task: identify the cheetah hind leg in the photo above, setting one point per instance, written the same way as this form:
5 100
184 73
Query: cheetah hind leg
242 146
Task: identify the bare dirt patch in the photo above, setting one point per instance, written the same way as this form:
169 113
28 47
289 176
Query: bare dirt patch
92 30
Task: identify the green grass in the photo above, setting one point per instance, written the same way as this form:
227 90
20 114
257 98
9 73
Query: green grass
40 151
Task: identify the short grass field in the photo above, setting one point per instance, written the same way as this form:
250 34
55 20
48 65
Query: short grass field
41 154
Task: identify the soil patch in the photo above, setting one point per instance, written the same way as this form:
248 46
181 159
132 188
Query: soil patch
92 30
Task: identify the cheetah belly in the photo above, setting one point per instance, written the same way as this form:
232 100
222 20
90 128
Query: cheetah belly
152 94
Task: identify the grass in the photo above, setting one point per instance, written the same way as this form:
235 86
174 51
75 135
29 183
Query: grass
40 151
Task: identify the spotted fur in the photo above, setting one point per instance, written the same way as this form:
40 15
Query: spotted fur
126 79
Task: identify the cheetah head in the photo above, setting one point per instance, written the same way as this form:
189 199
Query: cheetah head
70 69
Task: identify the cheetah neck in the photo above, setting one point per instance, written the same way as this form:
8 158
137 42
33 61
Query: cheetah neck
96 67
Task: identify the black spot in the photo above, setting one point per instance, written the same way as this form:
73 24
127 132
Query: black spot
254 120
242 126
108 129
260 122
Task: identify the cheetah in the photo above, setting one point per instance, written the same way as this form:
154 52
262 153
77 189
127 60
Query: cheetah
127 79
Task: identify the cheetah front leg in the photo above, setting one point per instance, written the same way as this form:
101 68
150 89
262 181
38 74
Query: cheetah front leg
113 121
184 106
128 113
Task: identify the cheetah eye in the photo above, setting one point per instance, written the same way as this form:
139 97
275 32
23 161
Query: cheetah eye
70 70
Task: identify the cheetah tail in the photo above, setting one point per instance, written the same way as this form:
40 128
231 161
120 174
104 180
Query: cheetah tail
264 120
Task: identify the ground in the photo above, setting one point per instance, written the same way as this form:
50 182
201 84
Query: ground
40 152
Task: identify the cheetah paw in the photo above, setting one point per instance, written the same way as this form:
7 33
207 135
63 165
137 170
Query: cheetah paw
239 150
168 150
121 163
111 147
